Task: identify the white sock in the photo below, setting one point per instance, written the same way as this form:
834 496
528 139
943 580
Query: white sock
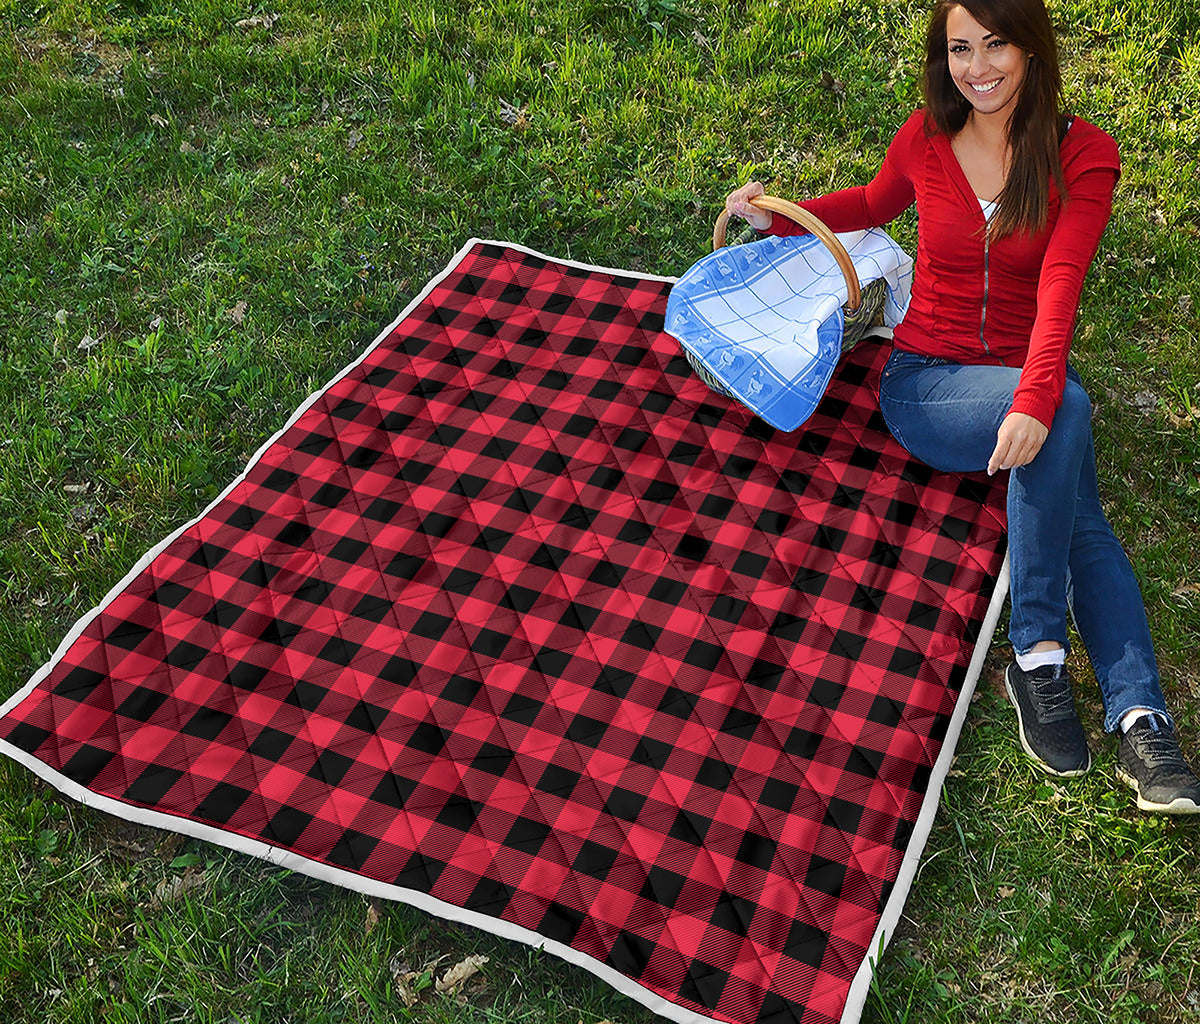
1128 719
1028 662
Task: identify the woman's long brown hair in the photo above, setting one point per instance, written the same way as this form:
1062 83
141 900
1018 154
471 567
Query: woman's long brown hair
1035 126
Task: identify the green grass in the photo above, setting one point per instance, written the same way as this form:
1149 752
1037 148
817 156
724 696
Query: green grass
160 166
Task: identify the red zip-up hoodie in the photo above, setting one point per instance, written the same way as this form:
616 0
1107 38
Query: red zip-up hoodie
1008 302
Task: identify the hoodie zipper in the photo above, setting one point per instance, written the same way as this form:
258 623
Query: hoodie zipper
983 309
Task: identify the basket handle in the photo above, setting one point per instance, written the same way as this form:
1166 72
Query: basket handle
813 224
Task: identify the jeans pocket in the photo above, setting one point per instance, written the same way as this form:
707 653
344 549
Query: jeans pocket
900 363
895 411
890 421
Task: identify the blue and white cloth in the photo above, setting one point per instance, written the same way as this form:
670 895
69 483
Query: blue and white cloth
765 319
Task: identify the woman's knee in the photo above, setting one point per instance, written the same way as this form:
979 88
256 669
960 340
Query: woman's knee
1076 402
1069 442
1073 422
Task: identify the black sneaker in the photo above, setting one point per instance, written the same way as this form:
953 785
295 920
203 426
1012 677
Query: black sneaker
1051 732
1149 760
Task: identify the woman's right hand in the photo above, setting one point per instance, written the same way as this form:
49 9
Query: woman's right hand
737 204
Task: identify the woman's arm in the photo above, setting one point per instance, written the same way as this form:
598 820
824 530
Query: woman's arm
1072 247
879 202
888 194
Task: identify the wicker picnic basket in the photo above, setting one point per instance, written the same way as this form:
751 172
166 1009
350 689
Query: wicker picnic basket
863 306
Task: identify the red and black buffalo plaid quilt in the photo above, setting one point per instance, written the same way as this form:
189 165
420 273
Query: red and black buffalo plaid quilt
517 622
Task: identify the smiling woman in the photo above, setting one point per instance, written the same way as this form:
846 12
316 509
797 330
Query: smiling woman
996 88
1012 198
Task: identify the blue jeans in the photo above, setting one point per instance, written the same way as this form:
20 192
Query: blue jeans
1062 550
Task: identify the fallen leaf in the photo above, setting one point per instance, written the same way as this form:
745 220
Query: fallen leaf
373 915
87 341
82 514
460 972
1005 891
1146 401
512 115
354 139
405 990
171 889
186 147
238 313
831 84
60 317
257 21
158 120
405 979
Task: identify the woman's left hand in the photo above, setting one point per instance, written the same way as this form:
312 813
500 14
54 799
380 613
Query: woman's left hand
1018 441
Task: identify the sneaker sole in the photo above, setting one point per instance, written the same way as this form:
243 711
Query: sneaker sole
1072 773
1180 805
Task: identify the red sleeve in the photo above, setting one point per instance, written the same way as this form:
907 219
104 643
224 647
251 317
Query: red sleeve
1069 253
887 196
